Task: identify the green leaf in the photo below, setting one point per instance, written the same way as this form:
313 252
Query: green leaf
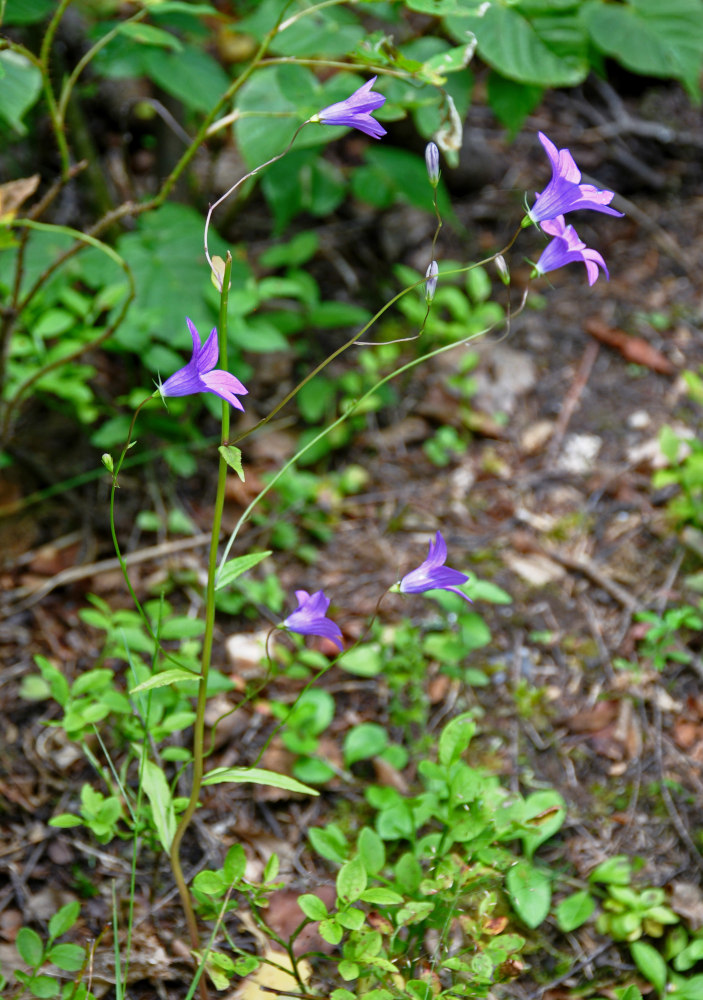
364 661
233 457
30 947
372 850
147 34
380 896
364 741
257 776
69 957
544 814
615 871
651 964
689 955
159 794
235 567
329 842
27 11
575 910
64 821
235 863
173 675
312 906
511 102
64 919
331 931
455 738
510 44
651 38
351 880
20 86
43 986
210 883
530 892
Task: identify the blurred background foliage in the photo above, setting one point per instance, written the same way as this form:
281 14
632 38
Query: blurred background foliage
169 102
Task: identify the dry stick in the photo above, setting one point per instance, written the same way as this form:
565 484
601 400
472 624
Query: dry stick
571 400
27 596
674 816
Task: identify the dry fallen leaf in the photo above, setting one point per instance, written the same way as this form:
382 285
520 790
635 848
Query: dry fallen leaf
632 348
271 981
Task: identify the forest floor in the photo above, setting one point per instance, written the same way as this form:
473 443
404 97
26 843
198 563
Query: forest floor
552 500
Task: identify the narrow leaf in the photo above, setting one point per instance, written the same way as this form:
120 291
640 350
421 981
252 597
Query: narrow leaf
257 776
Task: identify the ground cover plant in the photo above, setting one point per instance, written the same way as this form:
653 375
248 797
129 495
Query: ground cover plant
445 876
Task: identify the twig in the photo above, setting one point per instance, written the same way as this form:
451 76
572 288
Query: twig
671 809
571 400
27 596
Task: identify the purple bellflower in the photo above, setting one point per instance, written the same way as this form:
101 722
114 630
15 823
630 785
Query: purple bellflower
355 111
565 193
565 248
200 374
432 574
309 618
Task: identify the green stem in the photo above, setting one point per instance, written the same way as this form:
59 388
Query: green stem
56 120
199 724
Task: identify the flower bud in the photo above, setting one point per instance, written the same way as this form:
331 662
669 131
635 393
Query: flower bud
431 283
502 269
432 162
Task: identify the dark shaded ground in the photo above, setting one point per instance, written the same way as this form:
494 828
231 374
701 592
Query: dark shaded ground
556 506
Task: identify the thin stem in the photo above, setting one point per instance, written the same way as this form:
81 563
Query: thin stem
56 120
199 724
86 58
231 191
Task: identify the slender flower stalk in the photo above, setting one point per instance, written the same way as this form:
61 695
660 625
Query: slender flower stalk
310 617
200 374
432 574
567 248
565 193
355 111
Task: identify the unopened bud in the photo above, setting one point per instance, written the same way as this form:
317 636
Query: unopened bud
502 269
107 461
432 161
431 283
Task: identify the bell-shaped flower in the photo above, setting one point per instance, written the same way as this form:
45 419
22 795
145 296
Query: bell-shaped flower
310 617
355 111
565 193
200 374
432 574
565 248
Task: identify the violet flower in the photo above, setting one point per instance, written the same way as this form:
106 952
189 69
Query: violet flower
432 163
309 617
565 193
565 248
432 574
200 374
355 111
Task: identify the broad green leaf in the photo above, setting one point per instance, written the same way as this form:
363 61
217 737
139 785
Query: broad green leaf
147 34
69 957
30 947
235 863
173 675
64 919
381 896
329 842
159 794
43 987
26 11
372 850
530 892
509 43
331 33
20 86
651 38
364 741
65 821
615 871
257 776
455 738
312 906
544 814
575 910
351 880
235 567
364 661
233 458
651 964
